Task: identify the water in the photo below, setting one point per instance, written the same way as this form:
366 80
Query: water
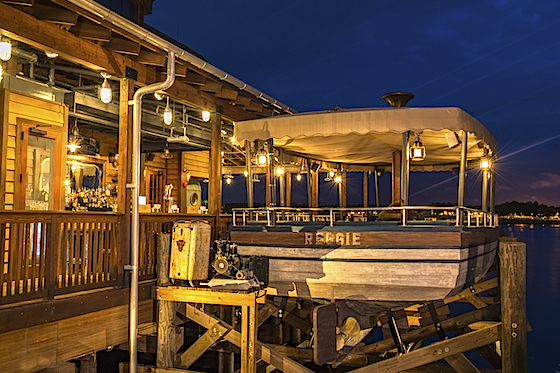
543 294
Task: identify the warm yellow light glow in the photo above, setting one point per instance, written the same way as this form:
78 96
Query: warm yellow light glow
105 94
5 50
1 72
205 115
232 139
262 159
338 179
167 115
417 151
51 54
158 96
298 177
73 147
245 173
66 182
279 170
485 163
228 180
331 174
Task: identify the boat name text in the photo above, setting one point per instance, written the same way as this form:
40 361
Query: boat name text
332 238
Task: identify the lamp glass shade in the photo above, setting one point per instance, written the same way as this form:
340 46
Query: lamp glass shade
279 171
105 94
485 163
167 115
298 177
262 159
205 115
5 50
338 179
51 54
417 151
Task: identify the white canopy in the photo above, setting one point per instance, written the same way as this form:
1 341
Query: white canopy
370 136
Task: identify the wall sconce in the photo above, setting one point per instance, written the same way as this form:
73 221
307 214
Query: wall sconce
205 115
105 93
279 171
417 150
229 177
5 50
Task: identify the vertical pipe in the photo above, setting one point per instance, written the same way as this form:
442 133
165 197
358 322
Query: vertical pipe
135 218
462 174
340 195
492 189
405 168
376 188
282 188
365 187
485 190
215 185
309 184
396 178
272 180
248 162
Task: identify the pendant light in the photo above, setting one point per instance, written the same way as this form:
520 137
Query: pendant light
298 177
74 139
167 114
166 153
417 150
262 158
485 163
5 50
205 115
105 93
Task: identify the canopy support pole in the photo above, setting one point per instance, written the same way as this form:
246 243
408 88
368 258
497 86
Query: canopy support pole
462 174
365 188
492 190
396 176
309 184
249 179
405 168
485 190
376 188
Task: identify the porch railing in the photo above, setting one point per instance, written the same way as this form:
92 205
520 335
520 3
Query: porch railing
53 254
405 215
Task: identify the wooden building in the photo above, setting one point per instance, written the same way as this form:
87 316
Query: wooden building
65 212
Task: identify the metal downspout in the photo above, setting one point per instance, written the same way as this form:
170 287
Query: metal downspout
135 218
462 174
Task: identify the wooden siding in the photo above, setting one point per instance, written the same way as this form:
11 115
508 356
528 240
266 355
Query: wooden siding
197 163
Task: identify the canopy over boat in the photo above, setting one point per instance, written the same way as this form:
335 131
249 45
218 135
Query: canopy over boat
370 136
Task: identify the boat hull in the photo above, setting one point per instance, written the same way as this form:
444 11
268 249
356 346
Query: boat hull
378 273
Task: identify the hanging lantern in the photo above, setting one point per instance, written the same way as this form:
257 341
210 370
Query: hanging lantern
279 171
485 163
417 151
5 50
262 158
167 114
205 115
105 93
338 179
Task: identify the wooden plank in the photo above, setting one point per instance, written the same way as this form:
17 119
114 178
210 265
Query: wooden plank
461 364
513 293
30 349
264 352
429 331
192 295
91 31
166 309
478 288
202 344
436 351
215 184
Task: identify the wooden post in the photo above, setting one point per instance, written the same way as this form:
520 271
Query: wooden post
396 174
52 258
166 309
512 257
315 189
288 189
126 93
215 192
343 190
365 188
267 195
226 360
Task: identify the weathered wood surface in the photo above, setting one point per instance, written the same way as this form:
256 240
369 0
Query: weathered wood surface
46 345
165 355
513 293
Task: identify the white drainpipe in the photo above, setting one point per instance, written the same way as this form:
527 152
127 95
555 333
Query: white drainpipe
157 41
135 186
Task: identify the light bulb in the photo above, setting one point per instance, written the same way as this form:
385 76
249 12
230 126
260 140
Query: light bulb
262 159
228 181
105 94
485 163
158 96
331 174
5 50
338 179
298 177
51 54
232 139
245 173
205 115
279 170
167 115
73 147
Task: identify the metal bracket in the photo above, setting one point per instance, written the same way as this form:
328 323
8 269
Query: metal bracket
129 267
395 333
472 289
130 186
437 323
281 311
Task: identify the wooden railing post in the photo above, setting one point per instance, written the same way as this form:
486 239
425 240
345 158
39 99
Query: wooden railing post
51 257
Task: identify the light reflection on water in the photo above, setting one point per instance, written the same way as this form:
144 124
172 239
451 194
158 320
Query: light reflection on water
543 292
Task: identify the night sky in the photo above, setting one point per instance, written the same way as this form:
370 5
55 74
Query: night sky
497 60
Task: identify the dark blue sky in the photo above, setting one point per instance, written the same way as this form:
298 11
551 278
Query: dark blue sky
497 60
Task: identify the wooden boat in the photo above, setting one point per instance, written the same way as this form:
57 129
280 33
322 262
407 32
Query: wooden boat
407 259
